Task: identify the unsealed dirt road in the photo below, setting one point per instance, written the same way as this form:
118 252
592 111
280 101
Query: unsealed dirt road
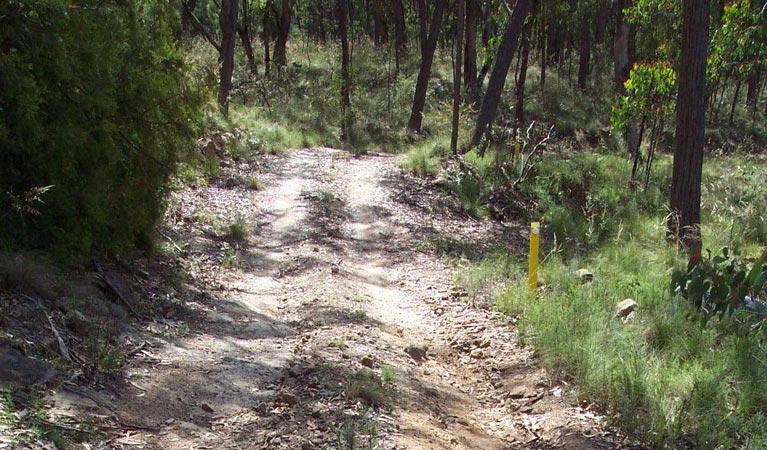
341 314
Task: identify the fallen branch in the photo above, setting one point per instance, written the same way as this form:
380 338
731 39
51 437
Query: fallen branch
62 346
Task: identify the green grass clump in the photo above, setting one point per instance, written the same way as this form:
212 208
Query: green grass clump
666 376
388 374
366 386
424 159
238 230
254 183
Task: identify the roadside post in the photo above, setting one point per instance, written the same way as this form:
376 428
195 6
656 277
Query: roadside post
532 267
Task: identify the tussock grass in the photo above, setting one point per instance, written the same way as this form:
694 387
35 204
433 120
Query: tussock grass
665 376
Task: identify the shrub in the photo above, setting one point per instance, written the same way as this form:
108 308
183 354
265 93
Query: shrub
97 106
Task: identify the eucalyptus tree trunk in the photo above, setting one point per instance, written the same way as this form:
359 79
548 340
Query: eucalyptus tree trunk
500 70
283 18
470 55
684 219
228 21
519 93
342 13
457 77
419 98
400 30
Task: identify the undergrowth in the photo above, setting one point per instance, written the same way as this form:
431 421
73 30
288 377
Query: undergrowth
669 378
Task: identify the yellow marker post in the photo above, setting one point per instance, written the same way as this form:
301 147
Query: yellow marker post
532 268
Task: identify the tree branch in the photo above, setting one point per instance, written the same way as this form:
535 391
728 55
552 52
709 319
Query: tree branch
200 27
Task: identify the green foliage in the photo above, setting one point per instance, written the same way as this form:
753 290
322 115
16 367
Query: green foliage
97 107
722 284
734 201
738 46
650 92
664 376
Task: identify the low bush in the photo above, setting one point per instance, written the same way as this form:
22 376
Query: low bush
98 110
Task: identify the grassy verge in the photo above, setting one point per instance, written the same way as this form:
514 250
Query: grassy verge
665 376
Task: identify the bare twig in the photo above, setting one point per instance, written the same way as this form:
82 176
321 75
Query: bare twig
62 346
527 161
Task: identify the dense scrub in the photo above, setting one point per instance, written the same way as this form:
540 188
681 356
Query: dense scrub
96 112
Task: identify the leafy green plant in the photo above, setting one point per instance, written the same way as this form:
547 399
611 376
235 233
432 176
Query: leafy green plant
648 104
722 284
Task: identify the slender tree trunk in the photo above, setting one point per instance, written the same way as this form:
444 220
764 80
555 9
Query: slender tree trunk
380 29
283 20
622 70
584 56
470 54
684 219
228 21
400 32
457 77
423 12
621 58
419 99
243 30
734 101
519 93
500 70
266 35
343 10
487 34
543 44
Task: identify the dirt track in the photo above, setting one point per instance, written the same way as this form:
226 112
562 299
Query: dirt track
342 270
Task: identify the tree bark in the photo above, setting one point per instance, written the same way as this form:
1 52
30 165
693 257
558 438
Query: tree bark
400 32
684 219
243 30
423 12
457 77
283 18
584 55
228 21
343 11
266 34
543 42
519 94
622 70
500 70
470 54
419 98
380 29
